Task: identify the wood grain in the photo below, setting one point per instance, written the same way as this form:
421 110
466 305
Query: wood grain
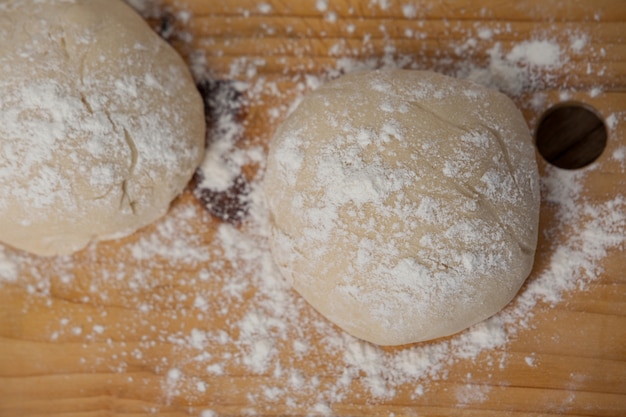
97 334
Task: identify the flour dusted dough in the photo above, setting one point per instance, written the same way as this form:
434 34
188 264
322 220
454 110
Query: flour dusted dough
403 204
100 123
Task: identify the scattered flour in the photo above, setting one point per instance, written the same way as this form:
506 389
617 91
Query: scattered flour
538 53
244 314
619 154
8 267
172 240
526 67
321 5
264 8
409 11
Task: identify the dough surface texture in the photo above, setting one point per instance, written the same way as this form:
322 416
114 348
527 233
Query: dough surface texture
101 125
403 204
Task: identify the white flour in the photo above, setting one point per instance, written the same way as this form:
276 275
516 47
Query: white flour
243 312
8 268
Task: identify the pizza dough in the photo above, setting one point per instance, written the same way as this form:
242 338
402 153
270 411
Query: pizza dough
101 125
403 204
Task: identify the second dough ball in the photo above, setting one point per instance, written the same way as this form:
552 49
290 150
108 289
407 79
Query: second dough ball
404 204
101 125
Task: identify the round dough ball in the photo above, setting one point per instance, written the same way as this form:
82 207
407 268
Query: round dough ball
101 125
403 204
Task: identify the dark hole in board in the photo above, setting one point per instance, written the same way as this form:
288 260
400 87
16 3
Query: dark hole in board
166 26
221 100
570 136
222 106
162 21
230 205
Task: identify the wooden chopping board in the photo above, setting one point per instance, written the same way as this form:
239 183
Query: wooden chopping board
107 332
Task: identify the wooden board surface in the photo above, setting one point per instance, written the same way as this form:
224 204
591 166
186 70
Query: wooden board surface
154 324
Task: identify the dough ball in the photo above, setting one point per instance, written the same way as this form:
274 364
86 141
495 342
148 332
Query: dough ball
403 204
101 125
